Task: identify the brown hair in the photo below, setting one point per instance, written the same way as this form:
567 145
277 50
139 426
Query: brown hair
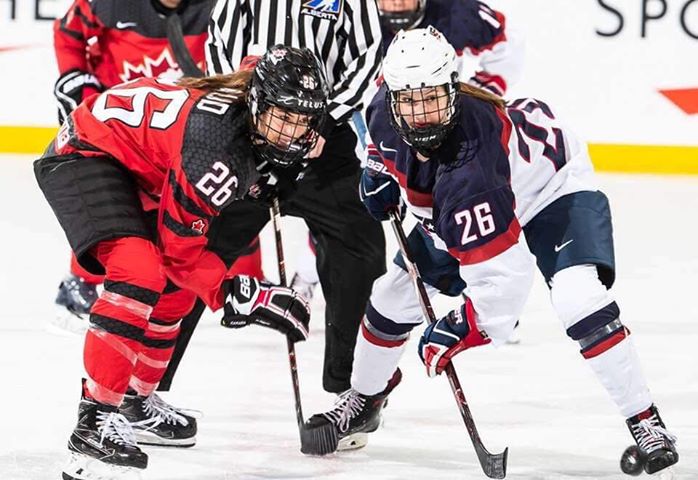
497 102
239 81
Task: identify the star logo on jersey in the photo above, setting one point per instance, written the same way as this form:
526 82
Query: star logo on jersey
164 66
324 9
198 226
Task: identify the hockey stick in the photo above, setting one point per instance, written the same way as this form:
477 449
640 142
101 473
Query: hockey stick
317 441
187 327
494 466
179 48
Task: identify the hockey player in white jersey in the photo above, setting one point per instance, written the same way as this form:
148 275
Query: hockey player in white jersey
490 54
499 186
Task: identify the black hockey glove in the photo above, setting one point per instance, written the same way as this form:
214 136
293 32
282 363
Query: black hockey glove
281 308
276 182
380 194
71 88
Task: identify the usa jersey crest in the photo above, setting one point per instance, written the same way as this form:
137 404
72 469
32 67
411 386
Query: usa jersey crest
324 9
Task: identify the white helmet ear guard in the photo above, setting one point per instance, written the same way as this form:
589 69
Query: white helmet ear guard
421 63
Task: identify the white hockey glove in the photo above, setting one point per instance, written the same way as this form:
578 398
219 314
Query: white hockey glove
281 308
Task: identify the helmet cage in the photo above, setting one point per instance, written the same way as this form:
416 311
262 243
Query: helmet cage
425 138
269 122
287 101
405 20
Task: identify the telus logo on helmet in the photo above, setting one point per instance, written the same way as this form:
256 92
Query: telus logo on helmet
299 102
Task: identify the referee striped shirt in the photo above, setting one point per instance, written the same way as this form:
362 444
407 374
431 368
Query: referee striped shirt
344 34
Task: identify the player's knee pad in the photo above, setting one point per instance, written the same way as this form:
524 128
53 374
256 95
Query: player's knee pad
587 310
599 331
576 292
132 286
394 296
382 331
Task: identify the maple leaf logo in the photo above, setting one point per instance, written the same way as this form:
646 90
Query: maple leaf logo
164 66
198 226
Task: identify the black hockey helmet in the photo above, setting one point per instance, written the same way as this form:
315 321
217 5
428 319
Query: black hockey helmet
402 20
287 100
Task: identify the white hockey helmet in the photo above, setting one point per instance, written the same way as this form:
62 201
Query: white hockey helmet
419 58
422 59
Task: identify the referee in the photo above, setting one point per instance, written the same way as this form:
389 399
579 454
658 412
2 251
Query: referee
346 36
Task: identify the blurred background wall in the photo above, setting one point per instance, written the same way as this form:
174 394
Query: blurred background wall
623 73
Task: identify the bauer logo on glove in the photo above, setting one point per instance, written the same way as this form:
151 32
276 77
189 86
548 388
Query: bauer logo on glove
251 301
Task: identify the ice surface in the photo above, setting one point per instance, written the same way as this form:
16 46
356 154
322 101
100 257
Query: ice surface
538 397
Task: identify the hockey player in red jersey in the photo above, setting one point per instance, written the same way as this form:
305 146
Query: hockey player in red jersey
496 185
99 44
135 177
102 43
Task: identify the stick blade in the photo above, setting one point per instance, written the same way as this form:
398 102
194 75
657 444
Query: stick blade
493 465
319 440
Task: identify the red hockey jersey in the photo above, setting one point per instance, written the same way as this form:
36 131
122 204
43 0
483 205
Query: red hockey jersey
189 150
119 40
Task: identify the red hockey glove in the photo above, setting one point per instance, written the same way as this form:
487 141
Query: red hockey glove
454 333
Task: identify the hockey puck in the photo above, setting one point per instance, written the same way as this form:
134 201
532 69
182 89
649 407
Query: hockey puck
633 460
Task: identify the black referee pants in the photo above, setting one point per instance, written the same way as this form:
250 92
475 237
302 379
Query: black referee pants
350 245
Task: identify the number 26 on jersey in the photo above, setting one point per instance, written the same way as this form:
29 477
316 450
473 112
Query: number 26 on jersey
477 222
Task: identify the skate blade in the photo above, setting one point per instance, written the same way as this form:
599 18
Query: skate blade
353 442
153 440
66 323
82 467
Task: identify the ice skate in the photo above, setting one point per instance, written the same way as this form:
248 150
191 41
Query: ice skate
355 415
103 446
73 303
155 422
657 450
304 288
